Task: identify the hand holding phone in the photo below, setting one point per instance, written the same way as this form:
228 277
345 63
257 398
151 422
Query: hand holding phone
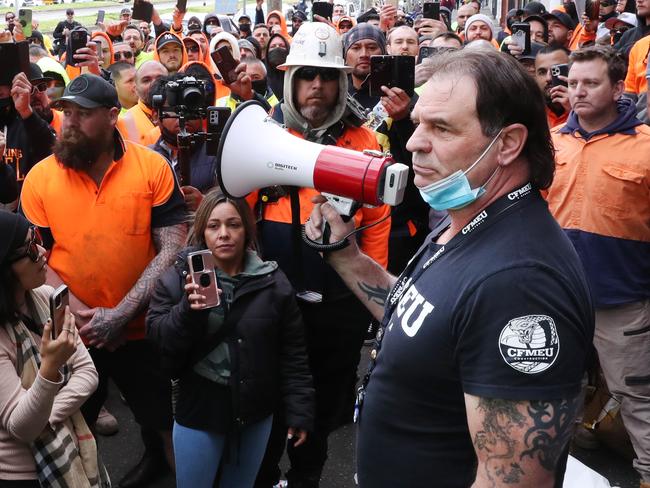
558 70
324 9
77 39
181 5
392 71
521 36
100 17
202 288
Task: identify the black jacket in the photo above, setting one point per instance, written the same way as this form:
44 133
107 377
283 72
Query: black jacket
266 343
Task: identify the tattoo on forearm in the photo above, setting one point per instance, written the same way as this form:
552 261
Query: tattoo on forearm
167 241
375 294
553 423
513 431
501 418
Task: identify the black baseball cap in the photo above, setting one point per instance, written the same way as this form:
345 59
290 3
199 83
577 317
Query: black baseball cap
89 91
35 75
563 18
166 38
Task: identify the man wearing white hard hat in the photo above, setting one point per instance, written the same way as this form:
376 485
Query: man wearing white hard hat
314 108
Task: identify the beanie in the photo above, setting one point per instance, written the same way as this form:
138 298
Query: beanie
13 228
363 31
482 18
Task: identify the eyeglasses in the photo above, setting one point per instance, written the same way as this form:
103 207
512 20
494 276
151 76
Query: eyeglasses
309 73
39 87
32 251
192 49
123 55
10 18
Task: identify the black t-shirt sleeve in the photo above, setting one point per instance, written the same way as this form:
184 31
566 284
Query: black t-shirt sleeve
168 203
522 335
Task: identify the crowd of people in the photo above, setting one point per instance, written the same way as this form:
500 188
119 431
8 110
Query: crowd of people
512 269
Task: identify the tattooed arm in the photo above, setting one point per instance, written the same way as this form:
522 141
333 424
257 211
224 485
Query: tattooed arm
519 443
106 326
368 280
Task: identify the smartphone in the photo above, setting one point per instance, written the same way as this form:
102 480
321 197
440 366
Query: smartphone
394 3
431 10
392 71
58 301
558 70
324 9
521 36
100 17
226 64
217 118
181 5
25 19
14 59
142 11
592 9
202 271
426 52
76 40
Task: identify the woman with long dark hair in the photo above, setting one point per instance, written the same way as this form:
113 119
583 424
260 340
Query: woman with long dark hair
235 362
44 440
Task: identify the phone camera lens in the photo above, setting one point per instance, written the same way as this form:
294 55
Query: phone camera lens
204 280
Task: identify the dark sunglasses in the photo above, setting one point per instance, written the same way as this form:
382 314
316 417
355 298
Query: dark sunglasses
309 73
193 49
39 87
123 55
31 250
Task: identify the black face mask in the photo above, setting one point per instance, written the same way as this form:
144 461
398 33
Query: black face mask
260 86
276 57
245 28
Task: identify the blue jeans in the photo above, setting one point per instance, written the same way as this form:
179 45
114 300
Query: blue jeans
198 454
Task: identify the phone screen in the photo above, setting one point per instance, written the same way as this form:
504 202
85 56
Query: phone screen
324 9
431 10
100 17
142 11
226 64
25 18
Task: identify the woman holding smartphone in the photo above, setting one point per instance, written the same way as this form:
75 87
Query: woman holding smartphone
44 440
237 362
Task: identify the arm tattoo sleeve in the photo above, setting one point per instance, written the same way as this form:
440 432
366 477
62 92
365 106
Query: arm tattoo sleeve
167 241
376 294
516 437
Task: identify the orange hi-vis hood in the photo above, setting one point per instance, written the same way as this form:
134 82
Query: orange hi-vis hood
161 37
205 56
283 23
345 17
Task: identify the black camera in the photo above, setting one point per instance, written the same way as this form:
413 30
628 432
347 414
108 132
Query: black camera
187 94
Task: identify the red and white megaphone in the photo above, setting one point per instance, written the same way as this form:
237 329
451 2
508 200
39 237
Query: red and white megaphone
256 152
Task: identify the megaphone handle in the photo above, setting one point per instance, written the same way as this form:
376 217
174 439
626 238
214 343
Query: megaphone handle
327 231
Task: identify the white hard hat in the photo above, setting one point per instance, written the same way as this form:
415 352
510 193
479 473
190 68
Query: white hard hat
316 44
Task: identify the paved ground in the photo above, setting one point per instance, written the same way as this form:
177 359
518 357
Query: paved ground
123 450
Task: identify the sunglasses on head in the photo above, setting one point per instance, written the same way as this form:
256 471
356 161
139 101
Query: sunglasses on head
309 73
123 55
31 250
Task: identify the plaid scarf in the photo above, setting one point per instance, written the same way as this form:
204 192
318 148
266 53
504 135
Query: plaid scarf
60 461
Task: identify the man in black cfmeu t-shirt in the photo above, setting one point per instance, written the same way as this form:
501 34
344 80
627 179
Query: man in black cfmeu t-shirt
485 335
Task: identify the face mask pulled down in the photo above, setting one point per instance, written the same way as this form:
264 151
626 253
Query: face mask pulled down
454 191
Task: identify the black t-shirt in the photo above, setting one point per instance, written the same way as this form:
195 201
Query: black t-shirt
506 313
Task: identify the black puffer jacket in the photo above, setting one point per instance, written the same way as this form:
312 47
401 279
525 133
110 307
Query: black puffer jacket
266 343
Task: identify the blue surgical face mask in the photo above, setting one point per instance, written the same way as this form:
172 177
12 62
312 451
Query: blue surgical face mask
454 191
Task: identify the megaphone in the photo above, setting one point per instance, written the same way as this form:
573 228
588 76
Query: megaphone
256 152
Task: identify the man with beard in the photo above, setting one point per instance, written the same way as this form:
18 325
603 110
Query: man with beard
134 37
29 137
315 93
361 42
557 98
560 28
170 51
137 123
113 217
203 166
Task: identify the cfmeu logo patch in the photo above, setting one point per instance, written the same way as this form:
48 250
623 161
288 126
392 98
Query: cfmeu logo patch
530 343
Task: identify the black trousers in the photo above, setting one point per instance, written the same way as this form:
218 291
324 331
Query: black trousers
335 332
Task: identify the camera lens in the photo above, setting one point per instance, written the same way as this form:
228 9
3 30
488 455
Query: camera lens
204 280
197 263
193 97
